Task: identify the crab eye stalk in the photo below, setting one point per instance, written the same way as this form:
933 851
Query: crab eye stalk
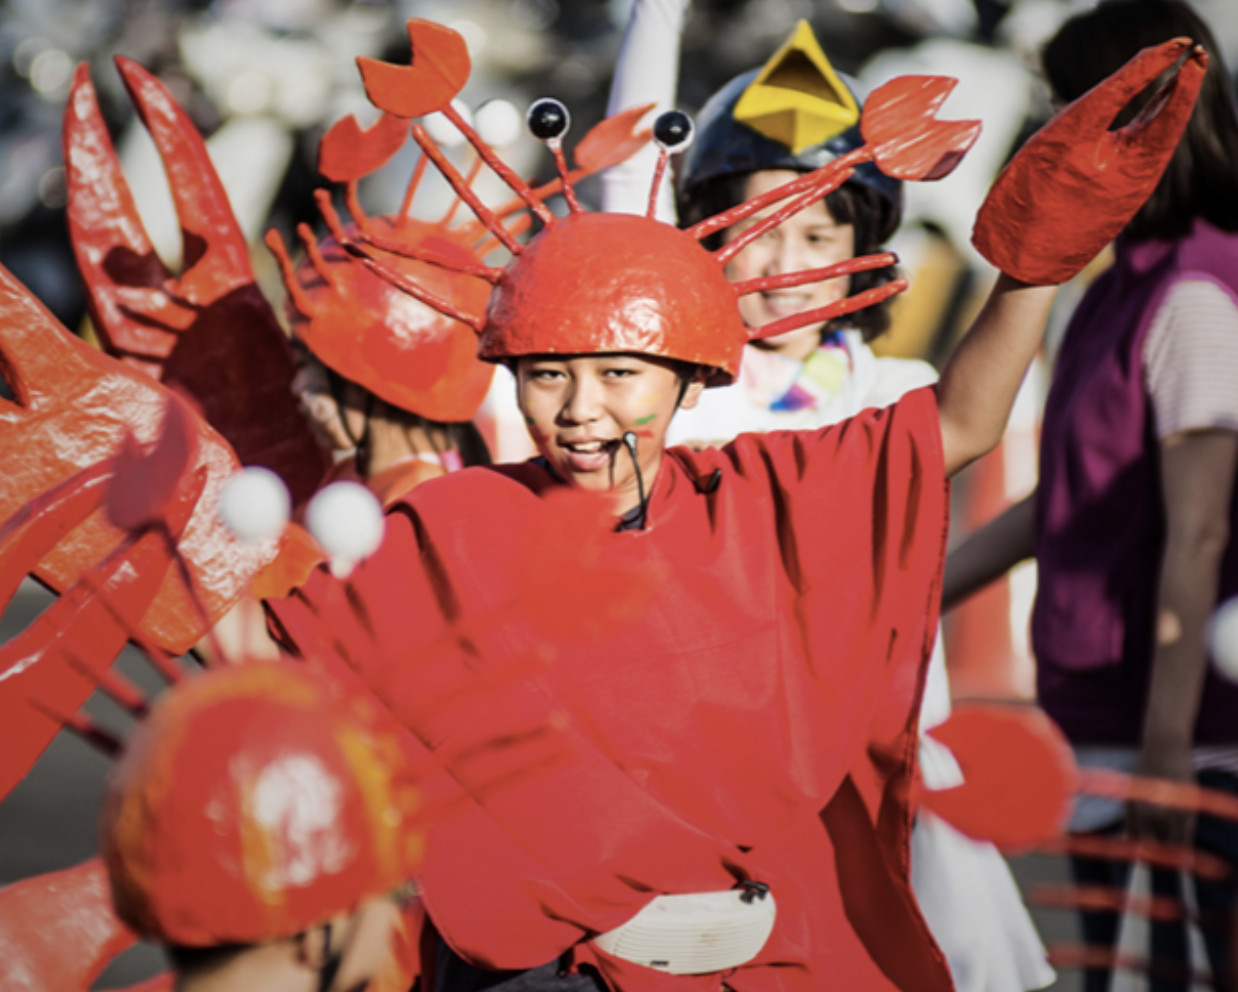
672 132
549 121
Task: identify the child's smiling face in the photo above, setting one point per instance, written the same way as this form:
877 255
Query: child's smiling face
811 239
578 407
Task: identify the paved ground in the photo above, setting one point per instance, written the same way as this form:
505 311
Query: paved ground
48 821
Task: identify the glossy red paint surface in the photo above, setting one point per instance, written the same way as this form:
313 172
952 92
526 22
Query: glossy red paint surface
397 347
593 283
50 669
255 801
1072 188
58 931
73 406
207 330
904 136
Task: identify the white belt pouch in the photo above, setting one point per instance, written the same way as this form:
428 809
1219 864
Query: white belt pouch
695 933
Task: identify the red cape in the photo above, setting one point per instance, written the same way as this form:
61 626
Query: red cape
756 720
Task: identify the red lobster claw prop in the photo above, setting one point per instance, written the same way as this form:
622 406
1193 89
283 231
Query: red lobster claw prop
72 406
208 331
50 669
1019 775
1073 187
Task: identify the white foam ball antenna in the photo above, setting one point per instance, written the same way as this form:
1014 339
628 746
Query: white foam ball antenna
499 123
254 504
1223 638
347 521
444 133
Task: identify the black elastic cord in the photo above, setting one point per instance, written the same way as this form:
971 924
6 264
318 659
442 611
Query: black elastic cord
629 442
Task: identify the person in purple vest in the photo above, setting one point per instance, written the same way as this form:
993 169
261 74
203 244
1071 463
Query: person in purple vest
1132 520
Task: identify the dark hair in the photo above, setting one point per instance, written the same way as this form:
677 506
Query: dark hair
190 960
1202 177
463 436
867 211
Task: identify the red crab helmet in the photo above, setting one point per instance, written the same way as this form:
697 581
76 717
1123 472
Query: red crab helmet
252 803
401 350
592 283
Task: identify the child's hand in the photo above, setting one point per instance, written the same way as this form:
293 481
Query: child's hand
1073 187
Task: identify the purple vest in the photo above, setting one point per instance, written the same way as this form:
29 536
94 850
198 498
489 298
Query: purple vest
1100 525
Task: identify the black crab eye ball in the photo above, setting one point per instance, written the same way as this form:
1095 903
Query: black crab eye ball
673 130
548 119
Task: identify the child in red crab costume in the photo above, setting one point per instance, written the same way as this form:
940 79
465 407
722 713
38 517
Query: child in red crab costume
754 721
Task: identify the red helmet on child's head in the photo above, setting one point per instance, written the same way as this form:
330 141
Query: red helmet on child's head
598 283
253 802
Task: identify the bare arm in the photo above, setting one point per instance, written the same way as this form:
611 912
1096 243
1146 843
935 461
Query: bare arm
1197 479
989 553
647 71
979 383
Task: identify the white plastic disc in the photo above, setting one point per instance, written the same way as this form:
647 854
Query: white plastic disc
254 504
347 521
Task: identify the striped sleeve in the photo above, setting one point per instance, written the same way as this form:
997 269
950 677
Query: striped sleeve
1190 359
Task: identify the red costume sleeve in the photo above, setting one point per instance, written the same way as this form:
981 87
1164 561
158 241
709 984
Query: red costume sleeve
783 650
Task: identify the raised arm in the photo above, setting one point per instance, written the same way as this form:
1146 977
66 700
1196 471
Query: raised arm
647 71
1068 192
978 385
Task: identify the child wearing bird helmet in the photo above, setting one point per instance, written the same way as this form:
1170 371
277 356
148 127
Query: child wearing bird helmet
742 749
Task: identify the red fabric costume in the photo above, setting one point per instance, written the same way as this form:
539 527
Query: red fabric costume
756 720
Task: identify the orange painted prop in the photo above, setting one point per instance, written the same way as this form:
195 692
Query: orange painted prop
1073 187
207 331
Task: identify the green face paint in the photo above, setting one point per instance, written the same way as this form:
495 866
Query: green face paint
641 421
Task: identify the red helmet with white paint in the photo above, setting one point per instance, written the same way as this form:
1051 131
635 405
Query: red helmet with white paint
253 802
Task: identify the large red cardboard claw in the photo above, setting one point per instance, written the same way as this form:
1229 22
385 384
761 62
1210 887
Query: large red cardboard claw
1076 184
1019 775
900 125
439 71
145 479
208 331
50 668
72 406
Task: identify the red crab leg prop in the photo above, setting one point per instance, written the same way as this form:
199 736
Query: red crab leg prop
1073 187
58 931
51 668
72 406
209 330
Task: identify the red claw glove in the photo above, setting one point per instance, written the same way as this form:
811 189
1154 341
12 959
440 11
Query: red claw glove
1073 187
